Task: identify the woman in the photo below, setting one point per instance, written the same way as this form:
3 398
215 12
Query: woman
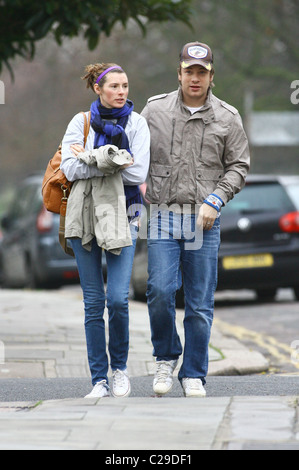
113 121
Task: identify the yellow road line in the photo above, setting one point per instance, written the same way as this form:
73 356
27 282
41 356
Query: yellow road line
268 343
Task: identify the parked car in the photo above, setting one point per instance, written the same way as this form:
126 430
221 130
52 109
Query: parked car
31 255
259 240
1 269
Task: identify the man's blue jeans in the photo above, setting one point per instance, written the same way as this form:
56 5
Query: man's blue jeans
169 256
119 269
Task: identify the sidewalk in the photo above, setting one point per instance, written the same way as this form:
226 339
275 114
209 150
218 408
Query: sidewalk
43 338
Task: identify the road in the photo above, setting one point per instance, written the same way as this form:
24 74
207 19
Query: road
35 390
271 328
43 377
43 335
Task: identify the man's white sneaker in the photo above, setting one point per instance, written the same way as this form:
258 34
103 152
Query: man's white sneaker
163 380
193 388
100 390
121 386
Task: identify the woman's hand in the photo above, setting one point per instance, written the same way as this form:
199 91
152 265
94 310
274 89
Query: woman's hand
76 149
127 165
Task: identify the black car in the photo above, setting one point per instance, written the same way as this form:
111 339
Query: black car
259 240
30 253
260 237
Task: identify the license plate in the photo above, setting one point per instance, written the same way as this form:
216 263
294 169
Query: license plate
248 262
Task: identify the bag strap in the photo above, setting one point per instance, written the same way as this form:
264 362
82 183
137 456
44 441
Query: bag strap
61 233
86 126
62 240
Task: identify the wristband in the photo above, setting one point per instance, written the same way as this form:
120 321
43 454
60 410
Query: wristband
214 201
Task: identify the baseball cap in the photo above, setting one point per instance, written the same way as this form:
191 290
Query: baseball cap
196 53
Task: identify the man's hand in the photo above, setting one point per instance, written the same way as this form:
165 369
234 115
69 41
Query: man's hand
206 217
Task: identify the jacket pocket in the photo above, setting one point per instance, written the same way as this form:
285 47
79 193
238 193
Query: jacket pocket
158 189
206 182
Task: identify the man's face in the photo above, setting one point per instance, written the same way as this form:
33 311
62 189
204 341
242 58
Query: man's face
195 81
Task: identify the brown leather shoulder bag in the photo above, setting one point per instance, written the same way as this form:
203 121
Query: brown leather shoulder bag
56 188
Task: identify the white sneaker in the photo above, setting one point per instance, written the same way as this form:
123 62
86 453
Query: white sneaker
163 380
121 386
100 390
193 388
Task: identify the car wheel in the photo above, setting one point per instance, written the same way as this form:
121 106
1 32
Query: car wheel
180 298
31 278
296 292
136 295
266 295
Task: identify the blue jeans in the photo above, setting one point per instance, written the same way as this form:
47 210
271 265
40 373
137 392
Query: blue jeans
119 269
169 257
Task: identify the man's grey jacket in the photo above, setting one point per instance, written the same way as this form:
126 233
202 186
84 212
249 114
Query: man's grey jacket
193 156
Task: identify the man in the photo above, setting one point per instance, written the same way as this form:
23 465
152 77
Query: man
199 161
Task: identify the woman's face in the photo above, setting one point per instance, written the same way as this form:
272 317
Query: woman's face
114 93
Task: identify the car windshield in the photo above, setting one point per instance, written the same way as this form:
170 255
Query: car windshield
260 197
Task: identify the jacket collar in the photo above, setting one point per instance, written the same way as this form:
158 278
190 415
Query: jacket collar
207 113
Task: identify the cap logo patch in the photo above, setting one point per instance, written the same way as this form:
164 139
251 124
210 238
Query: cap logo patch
198 52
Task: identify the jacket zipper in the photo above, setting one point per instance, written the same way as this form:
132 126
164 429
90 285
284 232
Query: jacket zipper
203 134
172 136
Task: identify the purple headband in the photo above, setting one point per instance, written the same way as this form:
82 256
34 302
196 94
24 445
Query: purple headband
106 71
